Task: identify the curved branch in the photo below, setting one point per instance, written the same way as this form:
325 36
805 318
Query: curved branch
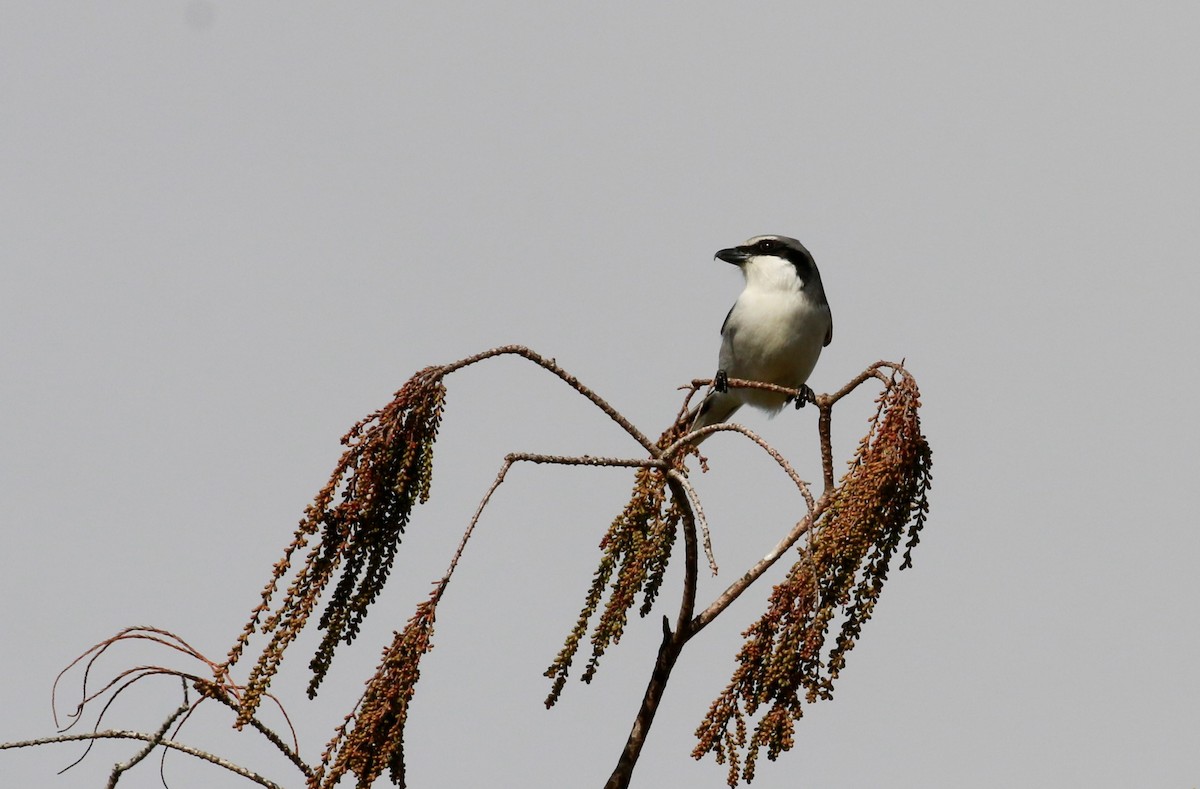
858 380
825 405
552 366
672 642
698 514
93 653
691 559
224 692
734 427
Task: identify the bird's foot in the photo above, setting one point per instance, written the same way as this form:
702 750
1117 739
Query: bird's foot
721 381
806 396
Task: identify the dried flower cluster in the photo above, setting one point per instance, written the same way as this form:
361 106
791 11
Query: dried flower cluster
784 661
636 549
376 740
385 471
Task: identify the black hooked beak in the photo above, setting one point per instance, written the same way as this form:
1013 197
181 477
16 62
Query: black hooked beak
735 255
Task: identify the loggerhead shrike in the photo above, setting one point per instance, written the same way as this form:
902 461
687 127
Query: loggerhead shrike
775 330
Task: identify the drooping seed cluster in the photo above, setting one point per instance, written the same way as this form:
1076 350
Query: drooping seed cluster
385 471
636 550
372 737
786 659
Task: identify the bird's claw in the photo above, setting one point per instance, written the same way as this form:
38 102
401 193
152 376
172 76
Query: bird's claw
721 381
806 395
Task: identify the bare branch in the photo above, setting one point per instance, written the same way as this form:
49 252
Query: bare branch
698 513
737 587
552 366
874 371
734 427
158 737
743 383
825 405
691 553
121 734
825 431
219 693
585 460
669 650
530 457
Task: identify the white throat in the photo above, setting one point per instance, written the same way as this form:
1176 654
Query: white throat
770 273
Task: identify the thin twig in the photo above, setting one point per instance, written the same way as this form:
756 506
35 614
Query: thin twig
825 431
121 767
531 457
744 383
815 508
871 372
154 634
734 427
825 405
737 587
585 460
213 691
462 543
698 512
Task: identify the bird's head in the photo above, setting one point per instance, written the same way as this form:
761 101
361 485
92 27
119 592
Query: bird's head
773 261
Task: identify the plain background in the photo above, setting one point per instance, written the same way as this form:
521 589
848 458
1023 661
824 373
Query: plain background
230 230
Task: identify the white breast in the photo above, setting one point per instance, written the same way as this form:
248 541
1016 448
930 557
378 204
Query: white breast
773 335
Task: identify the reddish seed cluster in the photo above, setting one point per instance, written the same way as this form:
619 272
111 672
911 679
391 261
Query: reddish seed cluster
636 550
375 741
385 471
786 660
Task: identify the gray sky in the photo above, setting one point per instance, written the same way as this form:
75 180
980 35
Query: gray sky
231 230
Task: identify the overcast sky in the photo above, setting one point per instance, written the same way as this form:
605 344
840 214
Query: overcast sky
230 230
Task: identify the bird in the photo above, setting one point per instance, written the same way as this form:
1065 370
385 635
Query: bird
774 332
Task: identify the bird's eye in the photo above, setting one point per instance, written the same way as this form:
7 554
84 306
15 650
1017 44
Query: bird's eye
768 245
